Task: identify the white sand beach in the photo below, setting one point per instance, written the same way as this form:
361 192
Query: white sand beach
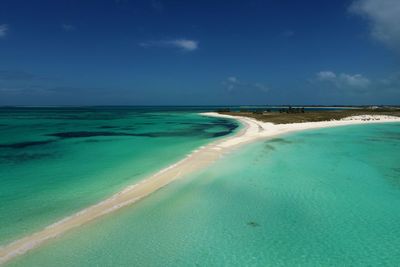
198 159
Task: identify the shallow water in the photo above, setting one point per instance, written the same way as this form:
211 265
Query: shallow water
328 197
56 161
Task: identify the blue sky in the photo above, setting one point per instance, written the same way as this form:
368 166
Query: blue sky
125 52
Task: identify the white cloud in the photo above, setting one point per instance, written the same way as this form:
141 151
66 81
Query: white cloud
183 44
233 79
232 83
326 75
67 27
261 87
343 80
188 45
384 19
3 30
356 80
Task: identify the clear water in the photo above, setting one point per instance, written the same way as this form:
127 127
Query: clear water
327 197
54 162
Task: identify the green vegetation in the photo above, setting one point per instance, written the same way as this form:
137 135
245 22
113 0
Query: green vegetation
293 115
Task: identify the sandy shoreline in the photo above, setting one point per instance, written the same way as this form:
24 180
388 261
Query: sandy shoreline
198 159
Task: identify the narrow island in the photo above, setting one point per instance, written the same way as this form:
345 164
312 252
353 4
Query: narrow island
289 114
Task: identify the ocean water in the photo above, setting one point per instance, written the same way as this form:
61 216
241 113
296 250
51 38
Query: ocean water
56 161
328 197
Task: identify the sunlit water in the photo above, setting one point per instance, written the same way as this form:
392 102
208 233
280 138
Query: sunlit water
327 197
56 161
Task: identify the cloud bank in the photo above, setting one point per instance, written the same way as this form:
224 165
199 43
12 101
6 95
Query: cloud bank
183 44
383 17
16 75
343 80
67 27
3 30
232 84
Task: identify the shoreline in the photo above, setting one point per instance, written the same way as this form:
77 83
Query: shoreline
269 130
198 159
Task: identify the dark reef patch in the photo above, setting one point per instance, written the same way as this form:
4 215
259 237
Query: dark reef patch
107 127
129 128
26 144
253 224
279 140
144 123
196 129
21 158
391 136
220 133
269 147
83 134
230 126
397 170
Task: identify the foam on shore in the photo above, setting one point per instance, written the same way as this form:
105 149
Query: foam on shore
198 159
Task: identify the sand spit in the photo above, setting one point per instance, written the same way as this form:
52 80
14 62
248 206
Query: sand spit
267 129
198 159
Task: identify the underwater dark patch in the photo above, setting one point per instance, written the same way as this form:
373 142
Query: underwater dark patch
128 128
196 129
229 125
391 136
166 134
117 127
107 127
270 147
144 123
279 140
393 177
376 139
220 134
253 224
20 158
84 134
397 169
26 144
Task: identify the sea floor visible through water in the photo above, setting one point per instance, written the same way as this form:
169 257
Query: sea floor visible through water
328 197
57 161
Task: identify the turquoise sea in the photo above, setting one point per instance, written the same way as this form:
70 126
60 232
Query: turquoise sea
328 197
56 161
